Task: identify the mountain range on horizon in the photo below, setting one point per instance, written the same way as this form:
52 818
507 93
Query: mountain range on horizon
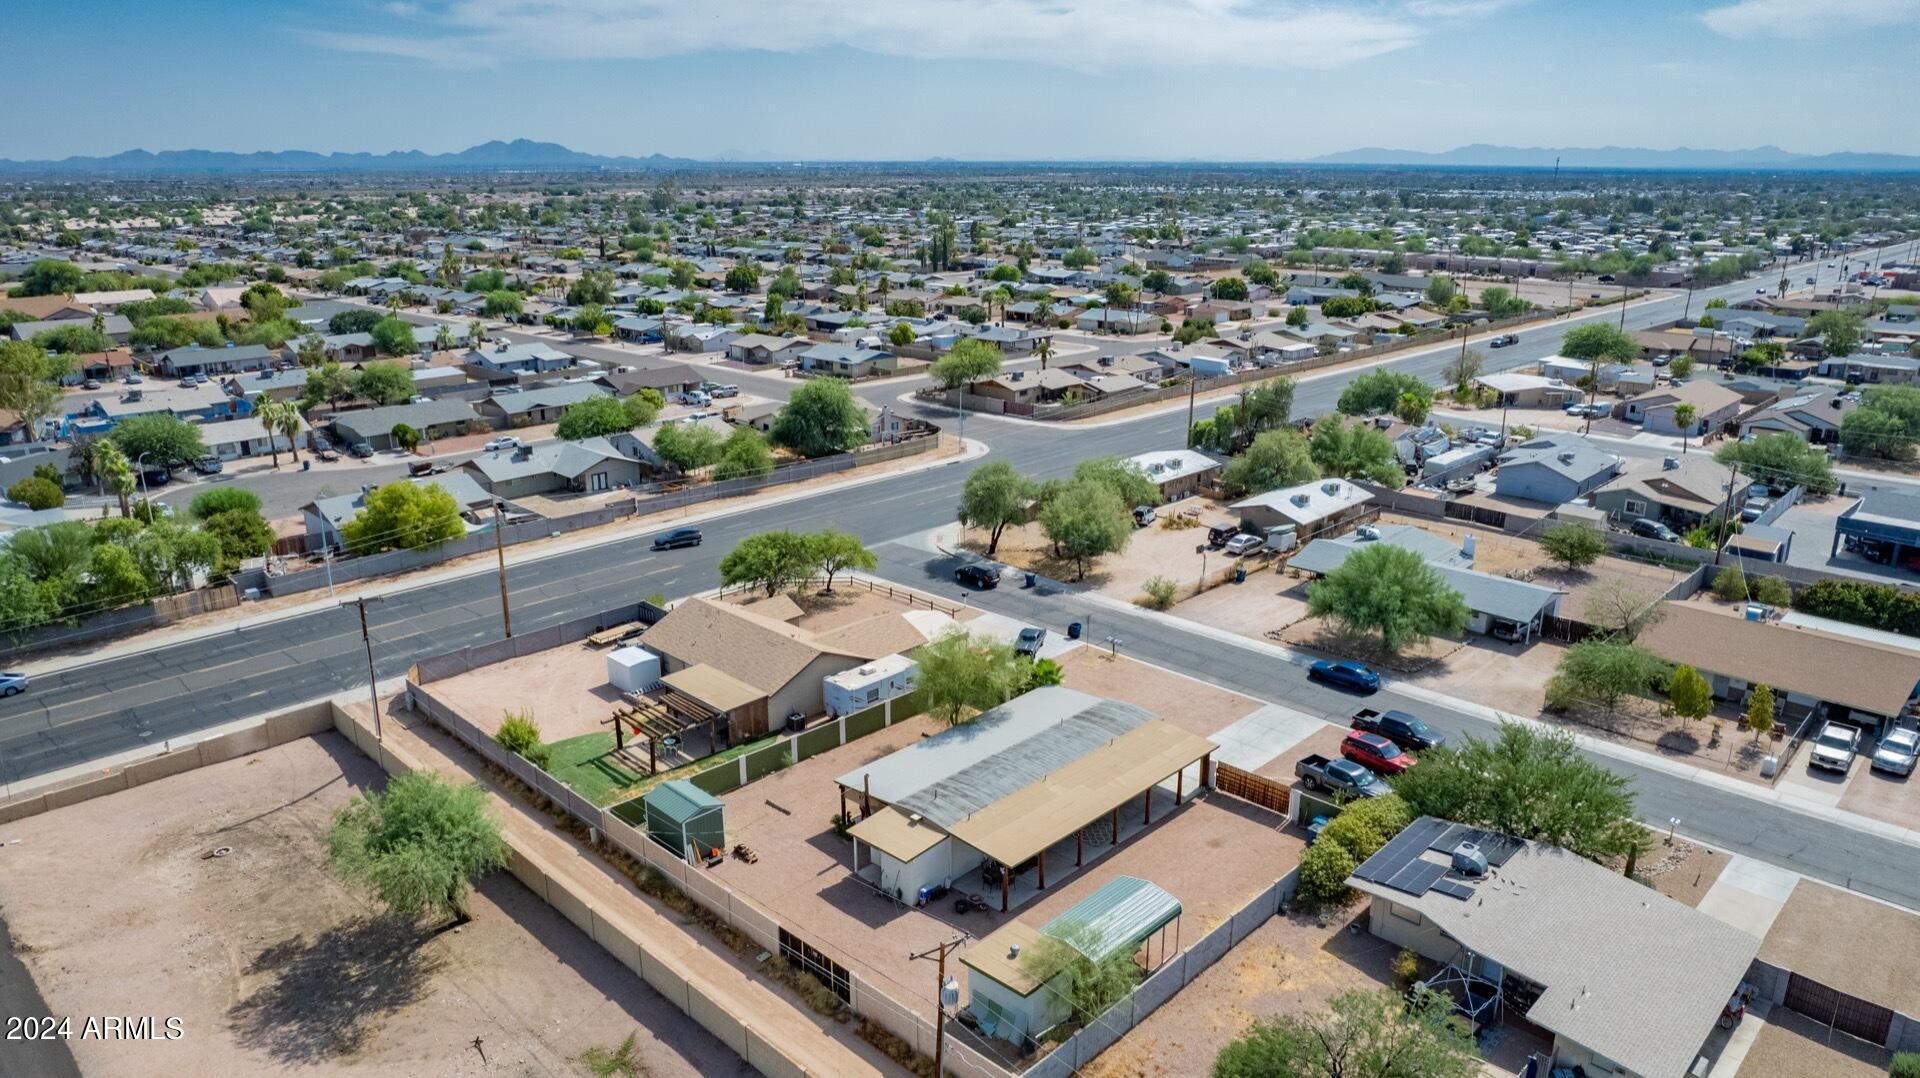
527 154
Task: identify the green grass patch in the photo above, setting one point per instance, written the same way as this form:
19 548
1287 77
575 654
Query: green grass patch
638 785
587 764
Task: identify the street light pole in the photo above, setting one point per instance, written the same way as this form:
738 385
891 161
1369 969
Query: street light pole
373 691
139 465
946 994
500 551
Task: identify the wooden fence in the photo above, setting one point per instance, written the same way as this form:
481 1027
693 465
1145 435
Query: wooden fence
1247 786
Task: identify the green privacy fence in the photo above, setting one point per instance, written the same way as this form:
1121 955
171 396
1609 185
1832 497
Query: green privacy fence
786 751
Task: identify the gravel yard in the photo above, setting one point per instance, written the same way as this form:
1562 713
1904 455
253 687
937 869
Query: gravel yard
271 966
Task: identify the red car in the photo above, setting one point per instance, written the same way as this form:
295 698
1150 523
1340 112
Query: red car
1376 753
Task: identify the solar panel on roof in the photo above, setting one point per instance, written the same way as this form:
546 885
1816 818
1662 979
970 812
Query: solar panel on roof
1417 877
1403 848
1454 888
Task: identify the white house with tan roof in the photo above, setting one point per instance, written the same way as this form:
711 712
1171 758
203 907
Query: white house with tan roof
1713 406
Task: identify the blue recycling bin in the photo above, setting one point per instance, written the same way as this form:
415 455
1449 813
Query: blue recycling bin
1032 579
1239 575
1073 630
306 465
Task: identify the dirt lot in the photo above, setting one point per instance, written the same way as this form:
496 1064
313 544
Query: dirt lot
1843 939
565 688
1160 549
1289 965
1794 1044
273 967
1188 704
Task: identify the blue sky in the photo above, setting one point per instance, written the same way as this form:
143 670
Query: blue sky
983 79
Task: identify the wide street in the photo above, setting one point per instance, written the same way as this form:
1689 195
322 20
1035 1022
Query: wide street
95 709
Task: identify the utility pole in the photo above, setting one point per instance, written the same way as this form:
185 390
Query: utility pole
946 994
500 551
1720 536
373 691
1193 389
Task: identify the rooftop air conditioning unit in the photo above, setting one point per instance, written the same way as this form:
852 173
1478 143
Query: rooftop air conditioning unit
1567 457
1669 463
1468 860
1301 500
1330 489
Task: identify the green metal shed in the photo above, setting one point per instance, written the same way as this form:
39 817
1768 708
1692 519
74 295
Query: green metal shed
1115 919
678 812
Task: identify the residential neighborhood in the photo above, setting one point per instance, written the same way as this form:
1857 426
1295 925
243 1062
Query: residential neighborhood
977 586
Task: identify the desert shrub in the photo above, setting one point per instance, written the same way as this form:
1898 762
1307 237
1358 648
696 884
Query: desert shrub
1323 872
1159 593
520 735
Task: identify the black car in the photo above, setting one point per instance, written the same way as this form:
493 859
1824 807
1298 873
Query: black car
1648 528
156 477
1503 340
361 450
1346 675
982 577
678 537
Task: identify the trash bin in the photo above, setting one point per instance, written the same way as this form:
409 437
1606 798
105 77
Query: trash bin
1073 630
1239 575
1768 765
306 465
1032 579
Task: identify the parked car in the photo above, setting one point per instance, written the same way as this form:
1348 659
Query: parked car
1339 777
1144 515
1243 544
505 442
1897 751
326 452
677 537
1219 534
1503 341
1030 641
1662 360
1751 511
721 392
134 379
695 398
1835 747
1376 753
978 575
155 477
91 383
425 467
1399 727
1345 675
360 450
208 465
1648 528
12 682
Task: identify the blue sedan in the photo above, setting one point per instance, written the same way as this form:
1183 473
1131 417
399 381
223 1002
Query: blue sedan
1345 675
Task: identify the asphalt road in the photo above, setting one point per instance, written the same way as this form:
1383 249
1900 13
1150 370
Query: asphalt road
86 712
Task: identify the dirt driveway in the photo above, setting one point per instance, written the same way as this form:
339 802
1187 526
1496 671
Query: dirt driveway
271 966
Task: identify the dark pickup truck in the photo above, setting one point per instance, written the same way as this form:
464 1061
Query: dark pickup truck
1339 777
1400 728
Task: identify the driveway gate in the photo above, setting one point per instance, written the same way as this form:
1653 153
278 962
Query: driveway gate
1848 1014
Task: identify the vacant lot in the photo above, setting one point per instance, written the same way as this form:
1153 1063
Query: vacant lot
273 967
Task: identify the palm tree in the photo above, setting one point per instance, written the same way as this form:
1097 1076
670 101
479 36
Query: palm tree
1683 417
288 422
476 334
267 411
1044 350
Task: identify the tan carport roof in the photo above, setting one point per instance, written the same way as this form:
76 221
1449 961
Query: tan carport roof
892 833
712 687
1022 824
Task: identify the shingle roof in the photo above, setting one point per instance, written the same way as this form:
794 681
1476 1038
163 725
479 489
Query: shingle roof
748 647
1854 673
1625 971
